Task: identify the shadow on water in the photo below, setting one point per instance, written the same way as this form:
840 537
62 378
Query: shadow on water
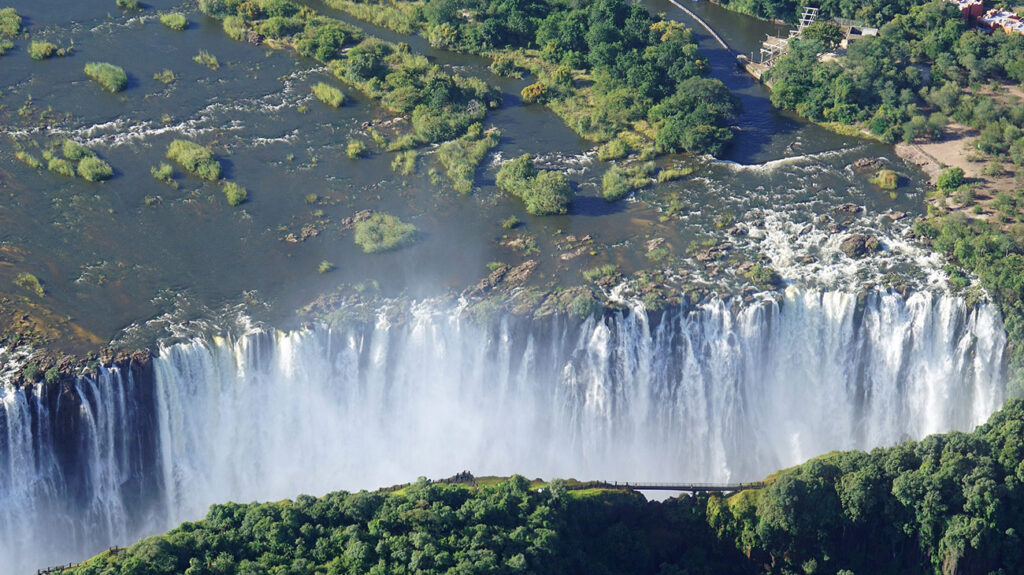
592 206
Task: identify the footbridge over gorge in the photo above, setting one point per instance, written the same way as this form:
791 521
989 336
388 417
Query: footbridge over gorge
681 487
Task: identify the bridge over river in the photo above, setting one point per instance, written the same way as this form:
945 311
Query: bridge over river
682 487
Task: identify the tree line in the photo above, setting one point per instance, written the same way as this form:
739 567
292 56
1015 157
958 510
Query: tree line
951 503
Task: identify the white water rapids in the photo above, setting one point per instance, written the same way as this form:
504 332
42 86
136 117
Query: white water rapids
720 392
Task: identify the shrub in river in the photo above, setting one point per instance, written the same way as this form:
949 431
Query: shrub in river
129 4
41 50
619 181
544 192
405 162
324 267
61 166
196 159
886 179
329 95
5 45
163 173
174 21
31 283
206 59
510 222
383 232
461 157
657 254
166 76
28 159
10 23
234 193
94 169
355 149
111 77
74 151
668 174
594 274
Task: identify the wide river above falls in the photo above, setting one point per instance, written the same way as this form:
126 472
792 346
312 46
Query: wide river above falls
133 248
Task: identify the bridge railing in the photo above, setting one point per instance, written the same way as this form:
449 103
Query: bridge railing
692 487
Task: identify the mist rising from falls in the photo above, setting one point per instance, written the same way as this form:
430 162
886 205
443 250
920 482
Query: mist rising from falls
720 392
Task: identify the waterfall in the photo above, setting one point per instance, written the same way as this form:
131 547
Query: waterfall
719 392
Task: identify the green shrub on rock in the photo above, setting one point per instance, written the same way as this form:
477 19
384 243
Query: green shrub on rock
544 192
234 193
41 50
94 169
195 159
383 232
10 23
174 21
329 95
111 77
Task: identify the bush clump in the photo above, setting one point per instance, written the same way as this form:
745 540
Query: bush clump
405 162
129 4
174 21
41 50
165 76
163 173
195 159
31 283
206 59
544 192
461 157
10 23
594 274
951 179
582 306
886 179
28 159
669 174
234 27
94 169
355 149
234 193
613 150
61 167
111 77
383 232
329 95
74 151
619 181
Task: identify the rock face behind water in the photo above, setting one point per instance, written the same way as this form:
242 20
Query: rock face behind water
857 246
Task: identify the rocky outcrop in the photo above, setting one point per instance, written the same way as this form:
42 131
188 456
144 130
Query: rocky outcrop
857 246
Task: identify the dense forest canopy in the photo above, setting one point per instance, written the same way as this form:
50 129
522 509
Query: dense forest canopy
950 503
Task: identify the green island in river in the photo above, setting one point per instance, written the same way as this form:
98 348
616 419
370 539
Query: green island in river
251 249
